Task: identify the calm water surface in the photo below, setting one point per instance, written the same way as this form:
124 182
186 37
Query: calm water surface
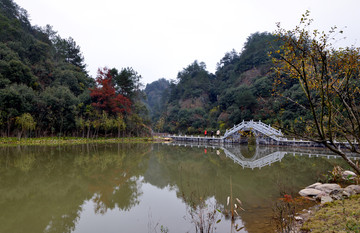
147 187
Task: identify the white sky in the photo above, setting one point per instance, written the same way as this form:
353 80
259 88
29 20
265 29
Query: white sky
158 38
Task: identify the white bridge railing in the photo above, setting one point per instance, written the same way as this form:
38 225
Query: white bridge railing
258 126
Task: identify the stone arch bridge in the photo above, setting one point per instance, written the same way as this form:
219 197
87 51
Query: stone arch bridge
262 132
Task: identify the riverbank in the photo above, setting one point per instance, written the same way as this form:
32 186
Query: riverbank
13 141
338 205
338 216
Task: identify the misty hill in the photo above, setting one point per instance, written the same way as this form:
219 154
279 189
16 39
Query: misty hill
156 93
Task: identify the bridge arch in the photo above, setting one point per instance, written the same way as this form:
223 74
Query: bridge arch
261 131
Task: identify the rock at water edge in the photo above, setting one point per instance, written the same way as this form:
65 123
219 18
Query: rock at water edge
310 192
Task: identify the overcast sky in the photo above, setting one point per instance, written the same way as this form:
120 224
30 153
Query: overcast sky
158 38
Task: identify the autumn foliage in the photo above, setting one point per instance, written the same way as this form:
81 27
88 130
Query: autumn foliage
104 96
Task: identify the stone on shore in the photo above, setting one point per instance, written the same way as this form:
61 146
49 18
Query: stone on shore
352 189
310 192
337 194
329 192
328 188
326 199
348 175
313 185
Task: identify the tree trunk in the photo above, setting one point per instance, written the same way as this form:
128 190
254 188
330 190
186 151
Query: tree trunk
344 156
88 132
19 134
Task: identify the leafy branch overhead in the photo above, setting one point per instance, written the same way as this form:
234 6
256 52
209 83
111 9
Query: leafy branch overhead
328 77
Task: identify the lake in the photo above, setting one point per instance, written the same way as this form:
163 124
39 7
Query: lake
149 187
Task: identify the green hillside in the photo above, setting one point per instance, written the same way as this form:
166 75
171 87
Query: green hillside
240 89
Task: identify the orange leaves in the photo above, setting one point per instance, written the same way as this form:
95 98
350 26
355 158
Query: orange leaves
104 96
287 198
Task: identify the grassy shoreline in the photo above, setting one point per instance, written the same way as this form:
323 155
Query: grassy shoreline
13 141
338 216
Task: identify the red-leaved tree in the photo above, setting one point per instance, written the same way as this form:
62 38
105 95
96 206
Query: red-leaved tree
104 96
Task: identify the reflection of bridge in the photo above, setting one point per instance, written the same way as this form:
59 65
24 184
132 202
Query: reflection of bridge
265 134
259 160
263 155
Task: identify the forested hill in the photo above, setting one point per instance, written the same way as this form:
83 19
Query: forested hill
46 90
240 89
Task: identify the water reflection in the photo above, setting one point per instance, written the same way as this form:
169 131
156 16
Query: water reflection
258 156
47 193
141 187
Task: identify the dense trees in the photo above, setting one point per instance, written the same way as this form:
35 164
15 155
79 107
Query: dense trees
104 96
43 77
126 82
26 122
189 98
37 79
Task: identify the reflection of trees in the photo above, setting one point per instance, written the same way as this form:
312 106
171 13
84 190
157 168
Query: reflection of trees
248 151
45 187
124 195
42 196
115 185
201 175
